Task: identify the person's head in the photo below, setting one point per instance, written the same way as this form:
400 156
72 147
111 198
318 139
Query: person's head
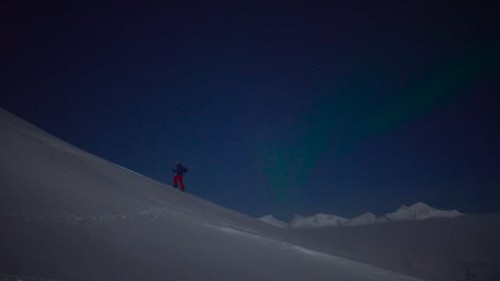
177 162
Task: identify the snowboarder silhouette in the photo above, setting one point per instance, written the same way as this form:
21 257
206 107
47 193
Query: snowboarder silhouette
179 172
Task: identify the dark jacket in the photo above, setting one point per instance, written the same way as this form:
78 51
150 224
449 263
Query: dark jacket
180 170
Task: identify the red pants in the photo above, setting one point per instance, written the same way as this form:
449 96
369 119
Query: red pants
177 179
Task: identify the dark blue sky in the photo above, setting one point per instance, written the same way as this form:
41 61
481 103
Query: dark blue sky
284 108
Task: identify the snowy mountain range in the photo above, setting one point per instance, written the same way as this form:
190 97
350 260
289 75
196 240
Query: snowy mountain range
318 220
66 214
417 211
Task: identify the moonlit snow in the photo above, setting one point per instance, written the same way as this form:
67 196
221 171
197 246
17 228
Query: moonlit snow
68 215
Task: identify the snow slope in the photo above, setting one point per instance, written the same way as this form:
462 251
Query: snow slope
68 215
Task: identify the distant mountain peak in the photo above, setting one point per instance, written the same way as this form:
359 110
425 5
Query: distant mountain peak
366 218
419 211
318 220
419 205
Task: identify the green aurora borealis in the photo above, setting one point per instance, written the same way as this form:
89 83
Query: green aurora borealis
341 118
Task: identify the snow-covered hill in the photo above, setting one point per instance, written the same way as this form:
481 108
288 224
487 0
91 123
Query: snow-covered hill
269 219
68 215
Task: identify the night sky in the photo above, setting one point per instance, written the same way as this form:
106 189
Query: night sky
293 107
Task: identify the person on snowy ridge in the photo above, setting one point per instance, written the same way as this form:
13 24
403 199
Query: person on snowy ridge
179 172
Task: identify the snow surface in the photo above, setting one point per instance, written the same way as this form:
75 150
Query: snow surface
273 221
68 215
